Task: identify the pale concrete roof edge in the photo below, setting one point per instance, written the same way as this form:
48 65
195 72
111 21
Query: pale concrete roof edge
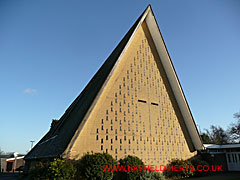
173 79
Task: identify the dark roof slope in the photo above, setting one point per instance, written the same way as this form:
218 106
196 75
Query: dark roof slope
54 143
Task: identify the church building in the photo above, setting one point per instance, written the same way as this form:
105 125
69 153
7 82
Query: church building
133 105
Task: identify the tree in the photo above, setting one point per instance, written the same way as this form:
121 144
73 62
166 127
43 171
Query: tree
54 123
205 138
217 135
237 115
1 152
234 130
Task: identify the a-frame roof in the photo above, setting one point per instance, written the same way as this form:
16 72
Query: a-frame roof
59 138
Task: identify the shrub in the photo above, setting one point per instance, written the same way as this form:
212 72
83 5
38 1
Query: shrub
131 161
61 170
90 166
39 171
152 175
157 176
57 169
177 173
196 162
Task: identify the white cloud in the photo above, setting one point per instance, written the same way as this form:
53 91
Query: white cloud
30 91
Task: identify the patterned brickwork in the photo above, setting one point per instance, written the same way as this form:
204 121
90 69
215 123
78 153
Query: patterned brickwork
134 114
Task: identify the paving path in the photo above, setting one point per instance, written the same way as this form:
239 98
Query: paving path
9 176
222 176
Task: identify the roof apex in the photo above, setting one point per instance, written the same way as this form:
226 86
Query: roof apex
58 141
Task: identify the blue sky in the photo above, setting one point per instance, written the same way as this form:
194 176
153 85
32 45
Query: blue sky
49 50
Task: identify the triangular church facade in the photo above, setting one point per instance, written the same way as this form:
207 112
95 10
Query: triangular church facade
134 105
